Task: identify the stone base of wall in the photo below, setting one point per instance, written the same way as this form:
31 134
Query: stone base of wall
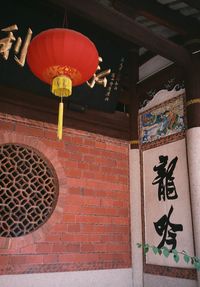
97 278
164 281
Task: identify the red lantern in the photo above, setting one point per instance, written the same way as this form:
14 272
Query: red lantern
62 58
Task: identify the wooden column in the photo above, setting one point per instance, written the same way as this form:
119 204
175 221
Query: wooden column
193 144
133 60
193 92
135 187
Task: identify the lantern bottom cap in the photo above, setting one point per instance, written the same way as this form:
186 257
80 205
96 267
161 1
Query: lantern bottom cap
61 86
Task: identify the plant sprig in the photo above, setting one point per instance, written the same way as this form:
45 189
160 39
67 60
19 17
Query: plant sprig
194 260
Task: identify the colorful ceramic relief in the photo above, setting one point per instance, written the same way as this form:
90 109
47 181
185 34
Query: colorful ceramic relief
162 121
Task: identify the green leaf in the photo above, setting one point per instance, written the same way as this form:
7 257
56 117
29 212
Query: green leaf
176 258
186 258
139 245
174 251
195 261
166 251
155 249
197 265
146 249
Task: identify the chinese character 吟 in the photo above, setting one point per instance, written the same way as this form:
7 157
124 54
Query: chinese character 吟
167 230
165 179
99 78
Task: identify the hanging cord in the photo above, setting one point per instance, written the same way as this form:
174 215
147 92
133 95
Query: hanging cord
65 20
61 104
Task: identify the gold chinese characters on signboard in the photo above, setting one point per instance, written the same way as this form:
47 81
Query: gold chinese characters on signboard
20 48
99 78
6 44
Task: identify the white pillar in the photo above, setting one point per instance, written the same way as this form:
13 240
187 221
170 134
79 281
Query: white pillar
136 217
193 151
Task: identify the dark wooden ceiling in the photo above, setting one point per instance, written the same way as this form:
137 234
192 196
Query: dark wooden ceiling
161 26
168 28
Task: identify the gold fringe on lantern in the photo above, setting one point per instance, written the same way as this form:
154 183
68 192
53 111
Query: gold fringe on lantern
62 86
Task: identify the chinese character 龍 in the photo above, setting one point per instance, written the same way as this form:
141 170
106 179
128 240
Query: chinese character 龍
165 179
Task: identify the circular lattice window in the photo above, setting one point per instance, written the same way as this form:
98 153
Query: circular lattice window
28 190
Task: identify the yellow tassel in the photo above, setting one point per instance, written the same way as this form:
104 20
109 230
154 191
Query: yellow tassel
61 87
60 120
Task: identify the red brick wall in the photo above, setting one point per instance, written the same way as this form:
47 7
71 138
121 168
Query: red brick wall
89 228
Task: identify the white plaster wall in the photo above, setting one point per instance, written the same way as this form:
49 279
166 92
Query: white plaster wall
193 145
163 281
136 219
97 278
155 209
160 97
153 66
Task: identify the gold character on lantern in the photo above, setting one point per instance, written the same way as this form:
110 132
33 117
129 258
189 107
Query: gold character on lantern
99 78
7 42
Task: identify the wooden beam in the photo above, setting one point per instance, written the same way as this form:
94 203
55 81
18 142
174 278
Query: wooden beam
43 109
137 8
133 60
187 27
127 29
160 14
193 3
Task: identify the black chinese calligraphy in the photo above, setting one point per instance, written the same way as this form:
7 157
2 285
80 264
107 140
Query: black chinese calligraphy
167 230
165 178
